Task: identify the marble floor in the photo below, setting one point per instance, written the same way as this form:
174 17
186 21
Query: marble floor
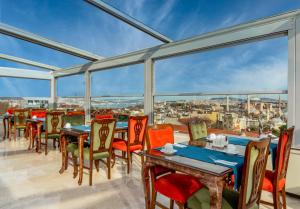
31 180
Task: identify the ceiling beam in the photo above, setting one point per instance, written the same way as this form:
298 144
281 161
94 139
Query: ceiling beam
129 20
266 28
28 62
24 73
33 38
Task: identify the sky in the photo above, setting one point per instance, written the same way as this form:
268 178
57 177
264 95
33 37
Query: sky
255 66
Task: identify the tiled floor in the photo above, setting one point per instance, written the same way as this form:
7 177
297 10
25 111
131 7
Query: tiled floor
31 180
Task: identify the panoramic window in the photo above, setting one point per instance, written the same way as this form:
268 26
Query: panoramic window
120 89
240 89
70 91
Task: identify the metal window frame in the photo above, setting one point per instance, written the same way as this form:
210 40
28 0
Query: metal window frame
129 20
28 62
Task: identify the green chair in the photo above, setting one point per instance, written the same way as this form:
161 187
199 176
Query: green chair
19 120
248 197
72 142
54 122
101 137
197 129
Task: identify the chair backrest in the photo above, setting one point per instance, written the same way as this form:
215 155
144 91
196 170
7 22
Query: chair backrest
76 112
39 113
254 168
136 129
10 110
54 122
104 116
197 129
158 135
283 153
74 119
102 133
20 116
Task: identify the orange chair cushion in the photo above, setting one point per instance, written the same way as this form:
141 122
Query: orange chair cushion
38 114
178 187
268 182
108 116
160 137
10 110
121 145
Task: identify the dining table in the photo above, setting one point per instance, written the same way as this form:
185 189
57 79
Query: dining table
35 124
212 165
82 132
7 117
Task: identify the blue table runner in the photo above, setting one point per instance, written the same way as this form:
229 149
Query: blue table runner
244 142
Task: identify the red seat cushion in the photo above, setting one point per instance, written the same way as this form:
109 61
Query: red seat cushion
108 116
268 182
121 145
178 187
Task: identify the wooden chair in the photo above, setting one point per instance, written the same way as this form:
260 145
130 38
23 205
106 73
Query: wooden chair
101 137
135 141
74 118
19 116
274 181
197 129
178 187
248 197
54 122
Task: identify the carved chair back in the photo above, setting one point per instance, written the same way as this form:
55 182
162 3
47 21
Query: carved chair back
102 133
54 122
283 153
20 116
158 135
136 129
74 118
197 129
255 163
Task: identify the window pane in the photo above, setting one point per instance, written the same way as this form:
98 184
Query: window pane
119 81
71 86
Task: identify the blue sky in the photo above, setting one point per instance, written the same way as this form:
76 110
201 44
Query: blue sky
75 22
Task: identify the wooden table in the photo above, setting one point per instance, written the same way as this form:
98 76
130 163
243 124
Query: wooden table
38 123
211 175
6 124
81 137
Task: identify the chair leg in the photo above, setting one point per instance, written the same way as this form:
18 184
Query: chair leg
153 200
46 145
171 204
97 165
67 160
15 129
283 197
180 205
276 200
128 161
108 168
54 142
75 165
91 172
114 158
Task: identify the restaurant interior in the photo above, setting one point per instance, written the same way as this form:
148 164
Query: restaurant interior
56 155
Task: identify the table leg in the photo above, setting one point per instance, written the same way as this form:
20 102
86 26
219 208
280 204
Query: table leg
146 183
39 133
80 147
216 191
63 153
4 128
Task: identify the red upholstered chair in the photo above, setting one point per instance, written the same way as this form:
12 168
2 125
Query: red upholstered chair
106 116
176 186
39 113
135 141
274 181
